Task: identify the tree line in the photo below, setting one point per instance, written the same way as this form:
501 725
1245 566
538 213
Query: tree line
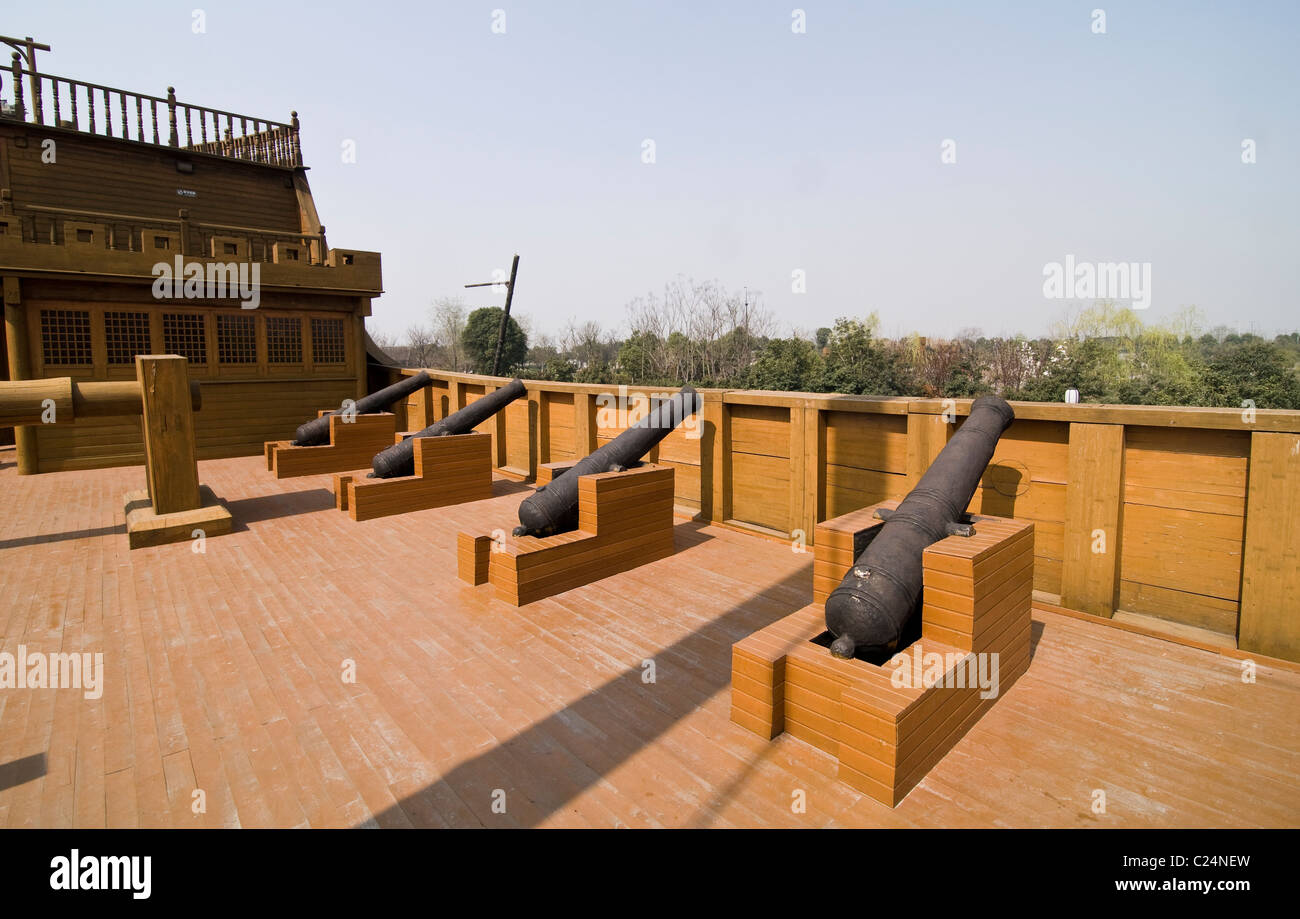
700 333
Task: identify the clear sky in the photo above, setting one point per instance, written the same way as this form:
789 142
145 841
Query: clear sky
774 151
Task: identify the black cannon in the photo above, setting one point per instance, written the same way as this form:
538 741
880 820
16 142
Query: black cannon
317 431
553 508
399 459
876 603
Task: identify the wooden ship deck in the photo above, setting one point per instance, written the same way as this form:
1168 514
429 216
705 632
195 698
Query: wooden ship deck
318 668
223 671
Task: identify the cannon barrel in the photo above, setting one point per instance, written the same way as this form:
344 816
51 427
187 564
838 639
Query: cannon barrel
553 508
317 431
399 459
874 605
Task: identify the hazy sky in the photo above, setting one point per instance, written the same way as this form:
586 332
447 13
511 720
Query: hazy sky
774 151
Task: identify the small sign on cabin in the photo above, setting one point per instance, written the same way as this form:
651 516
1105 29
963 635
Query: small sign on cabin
187 193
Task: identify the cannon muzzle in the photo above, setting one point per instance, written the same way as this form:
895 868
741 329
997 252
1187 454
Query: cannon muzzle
876 603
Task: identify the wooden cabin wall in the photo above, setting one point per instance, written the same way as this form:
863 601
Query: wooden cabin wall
95 175
1183 514
248 396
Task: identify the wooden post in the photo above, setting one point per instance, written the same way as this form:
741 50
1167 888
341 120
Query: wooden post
584 424
170 457
358 352
420 409
544 427
805 463
1094 498
15 68
20 368
721 418
173 140
711 456
927 435
1270 569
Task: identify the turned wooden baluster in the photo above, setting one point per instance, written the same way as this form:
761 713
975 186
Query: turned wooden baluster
295 143
203 126
126 130
139 119
58 113
16 68
173 141
72 93
189 133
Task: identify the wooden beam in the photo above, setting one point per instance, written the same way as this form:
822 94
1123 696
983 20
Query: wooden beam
171 467
32 402
1094 499
1270 575
20 368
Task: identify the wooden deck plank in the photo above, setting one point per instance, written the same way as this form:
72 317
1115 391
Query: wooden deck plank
223 670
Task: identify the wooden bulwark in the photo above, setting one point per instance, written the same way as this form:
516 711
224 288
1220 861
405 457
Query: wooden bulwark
353 445
625 519
889 725
1165 488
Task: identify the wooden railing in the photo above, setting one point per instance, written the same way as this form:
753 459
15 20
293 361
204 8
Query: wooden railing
61 102
1188 518
39 223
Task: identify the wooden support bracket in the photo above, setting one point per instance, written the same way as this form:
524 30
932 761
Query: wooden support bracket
625 519
448 470
353 445
888 725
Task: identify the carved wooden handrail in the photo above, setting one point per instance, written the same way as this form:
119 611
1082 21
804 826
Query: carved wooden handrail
112 112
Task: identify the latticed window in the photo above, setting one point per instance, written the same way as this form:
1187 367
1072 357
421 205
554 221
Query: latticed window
236 340
65 337
327 341
125 336
284 339
184 334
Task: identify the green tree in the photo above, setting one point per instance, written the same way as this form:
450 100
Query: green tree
1256 370
558 369
857 364
786 364
479 341
637 356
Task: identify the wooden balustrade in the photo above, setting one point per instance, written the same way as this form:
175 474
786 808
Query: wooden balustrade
1179 517
119 113
136 226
